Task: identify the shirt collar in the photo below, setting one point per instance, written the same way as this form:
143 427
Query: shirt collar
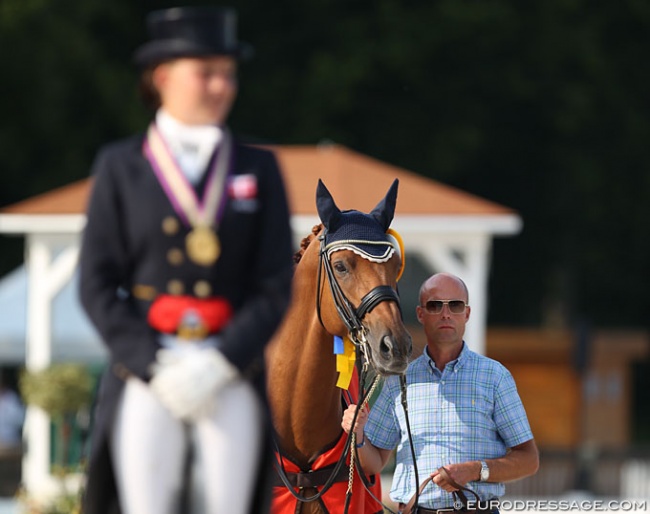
191 145
456 364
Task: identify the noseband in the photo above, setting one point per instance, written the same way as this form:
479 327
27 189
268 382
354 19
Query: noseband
352 317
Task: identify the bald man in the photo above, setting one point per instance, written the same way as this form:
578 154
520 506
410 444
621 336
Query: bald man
464 411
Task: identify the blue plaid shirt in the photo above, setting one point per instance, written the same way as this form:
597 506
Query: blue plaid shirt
469 411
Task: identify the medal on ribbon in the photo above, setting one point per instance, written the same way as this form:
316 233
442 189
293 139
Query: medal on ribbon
202 245
202 242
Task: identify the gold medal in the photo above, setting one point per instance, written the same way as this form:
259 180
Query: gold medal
202 245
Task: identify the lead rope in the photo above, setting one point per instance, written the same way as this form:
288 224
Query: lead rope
353 437
353 441
366 483
361 343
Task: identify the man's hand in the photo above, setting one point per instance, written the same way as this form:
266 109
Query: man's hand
520 461
460 473
348 417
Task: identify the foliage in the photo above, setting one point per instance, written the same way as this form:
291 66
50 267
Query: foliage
62 391
541 106
65 503
59 389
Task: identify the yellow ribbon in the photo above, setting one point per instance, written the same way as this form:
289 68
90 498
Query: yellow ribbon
400 243
345 364
345 361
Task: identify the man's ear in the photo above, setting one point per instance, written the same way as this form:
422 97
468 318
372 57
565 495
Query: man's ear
418 313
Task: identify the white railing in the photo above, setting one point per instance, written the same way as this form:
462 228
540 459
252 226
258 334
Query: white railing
612 475
635 478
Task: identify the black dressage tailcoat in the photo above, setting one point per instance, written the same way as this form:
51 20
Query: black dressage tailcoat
132 242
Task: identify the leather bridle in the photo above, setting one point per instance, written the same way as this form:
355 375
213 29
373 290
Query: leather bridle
352 317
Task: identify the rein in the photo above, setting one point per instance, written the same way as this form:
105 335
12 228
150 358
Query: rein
362 474
363 397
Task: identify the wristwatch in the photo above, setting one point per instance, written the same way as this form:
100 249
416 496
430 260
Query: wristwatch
485 471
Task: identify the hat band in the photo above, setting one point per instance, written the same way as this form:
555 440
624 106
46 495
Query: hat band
164 49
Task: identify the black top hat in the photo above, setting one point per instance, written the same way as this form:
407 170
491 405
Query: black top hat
191 32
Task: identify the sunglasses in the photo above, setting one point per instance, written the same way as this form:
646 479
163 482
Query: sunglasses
436 306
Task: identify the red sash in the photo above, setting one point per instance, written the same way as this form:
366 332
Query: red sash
167 312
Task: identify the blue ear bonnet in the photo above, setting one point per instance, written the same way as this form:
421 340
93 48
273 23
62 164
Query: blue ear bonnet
360 233
364 234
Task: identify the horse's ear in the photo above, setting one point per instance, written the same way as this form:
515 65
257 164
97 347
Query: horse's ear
385 209
328 212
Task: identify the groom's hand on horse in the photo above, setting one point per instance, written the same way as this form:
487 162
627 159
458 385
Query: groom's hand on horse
187 382
348 417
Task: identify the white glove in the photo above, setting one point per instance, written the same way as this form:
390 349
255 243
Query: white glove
187 382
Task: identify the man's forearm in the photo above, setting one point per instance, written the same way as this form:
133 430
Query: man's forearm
521 461
372 459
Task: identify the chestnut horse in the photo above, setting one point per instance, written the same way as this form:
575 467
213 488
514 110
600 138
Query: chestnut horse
347 261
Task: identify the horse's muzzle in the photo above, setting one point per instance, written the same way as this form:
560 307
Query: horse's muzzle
393 354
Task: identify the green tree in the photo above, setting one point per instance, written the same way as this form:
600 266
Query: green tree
538 105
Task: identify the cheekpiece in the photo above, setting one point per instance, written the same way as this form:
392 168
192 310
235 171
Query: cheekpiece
191 32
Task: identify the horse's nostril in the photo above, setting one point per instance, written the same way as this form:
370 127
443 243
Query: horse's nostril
386 346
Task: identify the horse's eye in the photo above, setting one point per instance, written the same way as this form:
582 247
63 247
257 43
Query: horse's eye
339 267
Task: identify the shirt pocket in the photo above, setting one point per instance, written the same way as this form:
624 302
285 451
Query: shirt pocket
476 414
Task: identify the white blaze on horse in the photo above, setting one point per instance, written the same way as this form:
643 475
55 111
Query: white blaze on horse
345 284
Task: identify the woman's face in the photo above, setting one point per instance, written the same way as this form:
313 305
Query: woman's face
197 90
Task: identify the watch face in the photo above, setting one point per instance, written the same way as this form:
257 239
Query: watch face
485 471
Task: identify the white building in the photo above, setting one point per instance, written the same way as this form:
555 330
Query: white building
447 229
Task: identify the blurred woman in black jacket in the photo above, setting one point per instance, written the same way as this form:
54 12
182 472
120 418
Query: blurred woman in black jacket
186 267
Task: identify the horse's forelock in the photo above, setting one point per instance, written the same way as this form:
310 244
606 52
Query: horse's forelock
306 241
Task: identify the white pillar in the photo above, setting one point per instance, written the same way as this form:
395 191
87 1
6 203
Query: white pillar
36 461
467 257
477 260
46 276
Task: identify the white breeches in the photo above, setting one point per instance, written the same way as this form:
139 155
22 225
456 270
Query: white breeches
149 448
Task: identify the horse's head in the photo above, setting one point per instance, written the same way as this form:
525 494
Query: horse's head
362 263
